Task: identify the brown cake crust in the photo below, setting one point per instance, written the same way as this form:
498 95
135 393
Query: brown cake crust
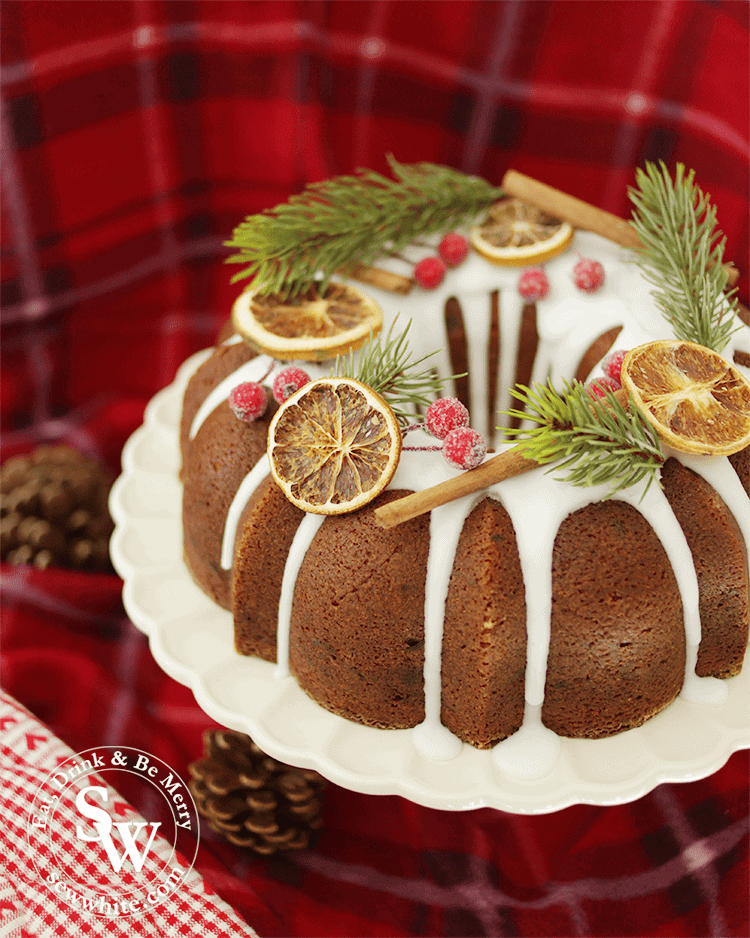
484 635
357 629
617 646
267 525
225 360
223 451
720 562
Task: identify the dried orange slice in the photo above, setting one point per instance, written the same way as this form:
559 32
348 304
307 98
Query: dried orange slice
333 446
697 401
516 234
307 326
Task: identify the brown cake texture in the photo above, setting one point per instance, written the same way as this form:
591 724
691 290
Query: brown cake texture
617 650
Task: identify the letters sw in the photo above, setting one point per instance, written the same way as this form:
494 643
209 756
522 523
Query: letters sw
103 823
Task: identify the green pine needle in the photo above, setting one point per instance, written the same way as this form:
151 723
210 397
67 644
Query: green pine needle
597 440
683 255
335 224
385 366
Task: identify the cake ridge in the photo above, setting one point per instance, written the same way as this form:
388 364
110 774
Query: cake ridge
303 538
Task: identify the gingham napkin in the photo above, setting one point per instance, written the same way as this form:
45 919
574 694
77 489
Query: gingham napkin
28 907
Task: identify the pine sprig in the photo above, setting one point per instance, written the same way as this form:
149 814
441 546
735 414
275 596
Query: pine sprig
682 255
597 440
335 224
385 366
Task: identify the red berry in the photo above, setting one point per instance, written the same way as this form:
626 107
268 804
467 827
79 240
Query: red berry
533 284
453 249
464 448
248 401
599 387
429 273
612 365
588 275
287 381
445 414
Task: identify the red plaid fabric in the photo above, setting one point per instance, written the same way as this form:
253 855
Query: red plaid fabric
136 135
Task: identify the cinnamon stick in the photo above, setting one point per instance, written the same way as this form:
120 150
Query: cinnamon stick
574 211
580 214
503 466
377 277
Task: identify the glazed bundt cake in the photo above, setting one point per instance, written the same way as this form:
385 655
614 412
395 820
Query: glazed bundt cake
532 607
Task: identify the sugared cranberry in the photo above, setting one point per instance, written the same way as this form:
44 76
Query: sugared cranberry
429 273
288 381
464 448
588 275
612 365
533 284
445 414
599 386
248 401
453 249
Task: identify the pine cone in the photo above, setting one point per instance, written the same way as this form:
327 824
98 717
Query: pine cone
53 510
250 798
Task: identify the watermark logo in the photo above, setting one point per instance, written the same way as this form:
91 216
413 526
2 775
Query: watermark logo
92 851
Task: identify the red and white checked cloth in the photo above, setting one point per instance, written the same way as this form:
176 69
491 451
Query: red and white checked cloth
30 752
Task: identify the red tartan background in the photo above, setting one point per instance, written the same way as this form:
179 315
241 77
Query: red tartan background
136 135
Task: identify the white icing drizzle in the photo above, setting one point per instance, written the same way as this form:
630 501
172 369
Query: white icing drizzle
303 538
253 370
536 511
656 510
242 496
431 738
476 316
510 306
249 371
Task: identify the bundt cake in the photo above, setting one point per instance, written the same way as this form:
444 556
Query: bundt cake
531 610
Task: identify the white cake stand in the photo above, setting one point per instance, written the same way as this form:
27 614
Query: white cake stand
192 640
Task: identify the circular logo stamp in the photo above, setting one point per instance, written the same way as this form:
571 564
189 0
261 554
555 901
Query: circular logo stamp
98 854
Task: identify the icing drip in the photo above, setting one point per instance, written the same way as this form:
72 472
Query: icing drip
537 506
511 315
530 753
249 371
656 510
253 370
303 538
431 738
243 495
476 316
